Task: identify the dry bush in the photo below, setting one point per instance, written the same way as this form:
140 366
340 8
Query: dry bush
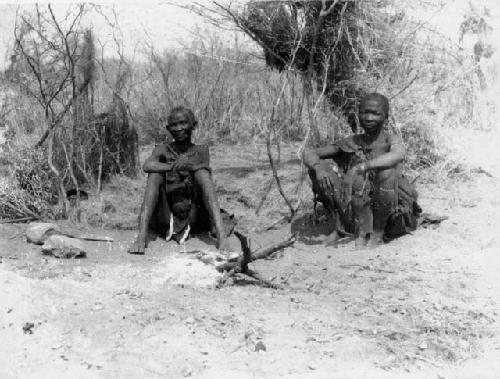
317 38
432 84
362 47
230 92
30 190
53 73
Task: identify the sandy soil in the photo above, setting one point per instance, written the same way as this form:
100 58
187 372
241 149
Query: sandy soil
424 306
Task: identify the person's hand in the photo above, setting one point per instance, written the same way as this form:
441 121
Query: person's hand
325 179
182 164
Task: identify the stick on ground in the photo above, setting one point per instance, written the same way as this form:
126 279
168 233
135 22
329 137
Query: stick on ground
240 266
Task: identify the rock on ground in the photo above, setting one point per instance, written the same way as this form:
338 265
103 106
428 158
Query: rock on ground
63 247
39 232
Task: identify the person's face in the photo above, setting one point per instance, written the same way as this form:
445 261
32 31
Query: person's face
371 115
180 127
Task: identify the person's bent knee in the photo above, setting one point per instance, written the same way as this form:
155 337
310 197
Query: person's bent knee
386 175
325 165
316 186
156 176
154 181
201 176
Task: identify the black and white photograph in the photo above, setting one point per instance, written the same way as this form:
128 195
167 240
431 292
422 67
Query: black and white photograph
250 189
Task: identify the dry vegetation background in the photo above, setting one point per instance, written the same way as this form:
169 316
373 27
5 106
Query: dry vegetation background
73 119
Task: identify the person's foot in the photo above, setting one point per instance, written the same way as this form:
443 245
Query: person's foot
360 242
223 245
332 239
137 248
376 239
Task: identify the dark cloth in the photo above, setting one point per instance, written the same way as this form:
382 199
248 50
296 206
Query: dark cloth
380 199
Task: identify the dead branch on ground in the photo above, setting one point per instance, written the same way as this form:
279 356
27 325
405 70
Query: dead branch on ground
240 266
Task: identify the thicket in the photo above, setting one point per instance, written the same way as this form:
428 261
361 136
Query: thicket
316 59
343 49
51 86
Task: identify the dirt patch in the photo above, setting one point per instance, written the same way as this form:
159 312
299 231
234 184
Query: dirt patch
424 305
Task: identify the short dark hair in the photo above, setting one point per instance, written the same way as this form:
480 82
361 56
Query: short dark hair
183 110
384 101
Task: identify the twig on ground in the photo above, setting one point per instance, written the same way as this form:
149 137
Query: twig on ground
240 266
21 219
366 267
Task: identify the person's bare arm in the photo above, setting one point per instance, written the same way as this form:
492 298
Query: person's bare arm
395 155
312 156
389 159
312 160
153 163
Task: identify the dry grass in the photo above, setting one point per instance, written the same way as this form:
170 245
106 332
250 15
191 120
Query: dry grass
29 188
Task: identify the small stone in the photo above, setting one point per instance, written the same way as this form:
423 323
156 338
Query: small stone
259 346
207 259
423 346
312 366
28 328
187 371
232 257
63 247
98 307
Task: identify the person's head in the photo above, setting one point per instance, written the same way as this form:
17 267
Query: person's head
373 111
180 123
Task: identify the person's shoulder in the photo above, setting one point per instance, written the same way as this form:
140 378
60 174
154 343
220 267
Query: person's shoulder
160 148
200 157
392 137
348 144
199 148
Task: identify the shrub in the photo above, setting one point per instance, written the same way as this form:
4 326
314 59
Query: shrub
30 189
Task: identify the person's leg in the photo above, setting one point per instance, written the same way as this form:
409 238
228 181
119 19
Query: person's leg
199 217
203 181
384 202
153 211
360 202
328 201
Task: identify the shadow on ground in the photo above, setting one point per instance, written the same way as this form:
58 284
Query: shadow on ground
310 231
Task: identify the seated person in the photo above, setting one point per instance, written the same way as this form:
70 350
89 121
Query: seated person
180 195
365 192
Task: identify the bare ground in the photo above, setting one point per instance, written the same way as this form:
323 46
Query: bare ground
424 306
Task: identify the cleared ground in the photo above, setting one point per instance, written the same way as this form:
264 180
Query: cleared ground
425 305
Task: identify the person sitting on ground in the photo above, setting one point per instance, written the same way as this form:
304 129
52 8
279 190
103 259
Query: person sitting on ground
364 192
180 195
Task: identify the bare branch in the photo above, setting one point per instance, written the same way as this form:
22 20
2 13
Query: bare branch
250 33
